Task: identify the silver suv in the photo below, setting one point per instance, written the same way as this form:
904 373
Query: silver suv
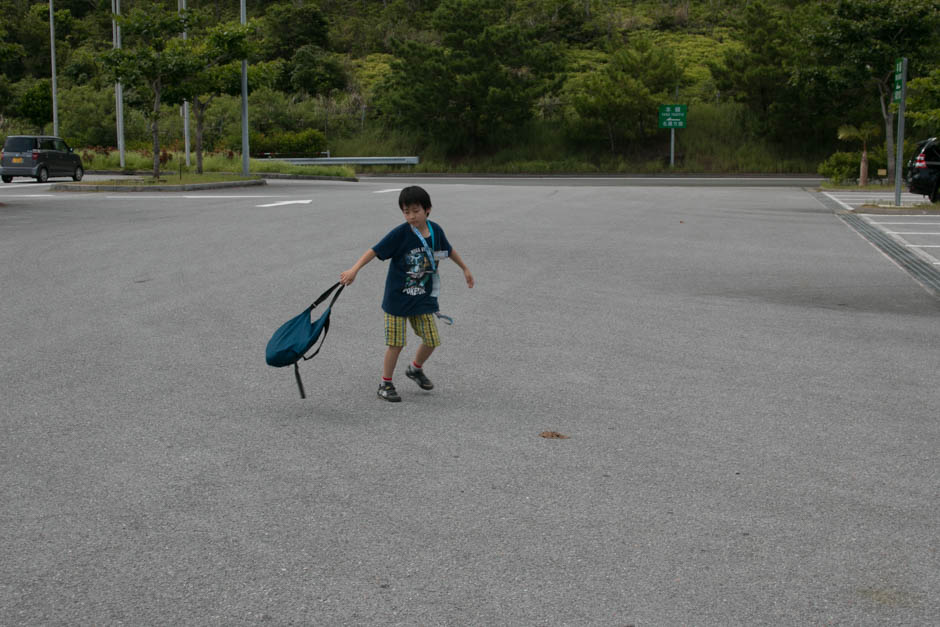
38 157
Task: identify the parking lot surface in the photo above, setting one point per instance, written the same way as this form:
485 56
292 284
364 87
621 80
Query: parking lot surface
748 391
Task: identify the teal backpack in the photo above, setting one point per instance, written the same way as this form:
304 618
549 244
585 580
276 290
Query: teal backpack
294 338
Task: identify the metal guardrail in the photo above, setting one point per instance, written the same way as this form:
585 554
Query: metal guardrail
352 160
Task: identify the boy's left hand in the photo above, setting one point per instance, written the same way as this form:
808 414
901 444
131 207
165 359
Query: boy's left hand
468 277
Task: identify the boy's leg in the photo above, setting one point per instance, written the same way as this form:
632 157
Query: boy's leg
391 358
424 352
395 341
426 328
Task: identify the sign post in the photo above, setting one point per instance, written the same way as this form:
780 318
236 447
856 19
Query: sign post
899 96
672 116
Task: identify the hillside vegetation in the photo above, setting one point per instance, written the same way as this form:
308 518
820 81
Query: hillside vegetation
483 85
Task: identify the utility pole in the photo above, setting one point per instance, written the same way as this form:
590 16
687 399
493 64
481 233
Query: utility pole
118 88
55 96
181 5
245 163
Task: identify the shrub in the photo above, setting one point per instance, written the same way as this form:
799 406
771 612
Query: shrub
308 142
841 167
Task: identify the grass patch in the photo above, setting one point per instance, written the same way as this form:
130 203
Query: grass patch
270 166
212 163
187 178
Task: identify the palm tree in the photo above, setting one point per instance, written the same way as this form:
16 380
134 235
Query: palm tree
867 132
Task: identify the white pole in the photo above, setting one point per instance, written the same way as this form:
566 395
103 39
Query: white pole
118 88
900 148
672 147
245 163
55 97
182 7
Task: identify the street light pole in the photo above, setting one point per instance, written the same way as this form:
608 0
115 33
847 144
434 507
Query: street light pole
55 97
182 7
118 88
245 163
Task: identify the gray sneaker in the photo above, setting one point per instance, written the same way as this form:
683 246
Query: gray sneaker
418 377
388 392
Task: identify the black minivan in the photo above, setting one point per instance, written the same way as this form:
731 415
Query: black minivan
38 157
923 170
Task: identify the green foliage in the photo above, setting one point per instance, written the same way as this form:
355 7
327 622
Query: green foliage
475 88
923 104
840 167
307 142
472 84
849 48
314 71
86 116
12 54
289 27
33 102
619 102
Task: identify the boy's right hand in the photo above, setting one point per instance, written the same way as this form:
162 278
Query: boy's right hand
347 277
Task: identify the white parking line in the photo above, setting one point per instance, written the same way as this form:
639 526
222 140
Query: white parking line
385 191
911 233
165 196
846 206
907 223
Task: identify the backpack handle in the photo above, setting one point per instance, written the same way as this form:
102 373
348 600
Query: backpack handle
326 324
322 297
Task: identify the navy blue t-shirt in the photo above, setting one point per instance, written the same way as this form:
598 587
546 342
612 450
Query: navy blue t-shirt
409 281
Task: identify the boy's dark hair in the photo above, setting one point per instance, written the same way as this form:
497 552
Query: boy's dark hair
414 195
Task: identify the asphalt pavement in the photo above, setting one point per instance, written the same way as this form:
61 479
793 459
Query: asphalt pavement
746 386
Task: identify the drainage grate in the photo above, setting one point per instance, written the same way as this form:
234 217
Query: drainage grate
923 272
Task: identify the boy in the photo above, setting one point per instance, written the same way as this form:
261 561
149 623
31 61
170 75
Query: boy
411 287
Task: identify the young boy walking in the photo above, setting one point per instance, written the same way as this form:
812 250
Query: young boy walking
412 286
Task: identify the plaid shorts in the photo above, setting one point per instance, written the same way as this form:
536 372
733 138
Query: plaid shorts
424 326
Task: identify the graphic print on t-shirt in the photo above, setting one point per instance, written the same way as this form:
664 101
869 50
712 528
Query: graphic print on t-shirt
418 272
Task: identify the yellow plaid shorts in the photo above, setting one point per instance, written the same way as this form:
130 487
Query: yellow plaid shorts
424 326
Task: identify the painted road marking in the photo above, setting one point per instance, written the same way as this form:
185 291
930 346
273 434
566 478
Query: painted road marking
898 236
287 202
385 191
834 199
170 195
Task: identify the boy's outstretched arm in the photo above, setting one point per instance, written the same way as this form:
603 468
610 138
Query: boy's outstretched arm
466 271
350 275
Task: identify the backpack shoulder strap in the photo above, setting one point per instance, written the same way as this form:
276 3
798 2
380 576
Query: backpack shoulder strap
322 297
326 328
326 323
300 384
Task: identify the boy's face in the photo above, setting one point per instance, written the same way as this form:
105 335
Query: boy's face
416 215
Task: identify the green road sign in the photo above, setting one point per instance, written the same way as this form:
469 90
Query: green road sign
672 115
898 80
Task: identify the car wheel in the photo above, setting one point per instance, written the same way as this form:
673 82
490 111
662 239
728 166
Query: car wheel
935 196
7 179
43 175
78 174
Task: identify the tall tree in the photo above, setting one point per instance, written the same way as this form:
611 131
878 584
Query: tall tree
865 133
854 44
923 102
216 51
477 86
154 57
